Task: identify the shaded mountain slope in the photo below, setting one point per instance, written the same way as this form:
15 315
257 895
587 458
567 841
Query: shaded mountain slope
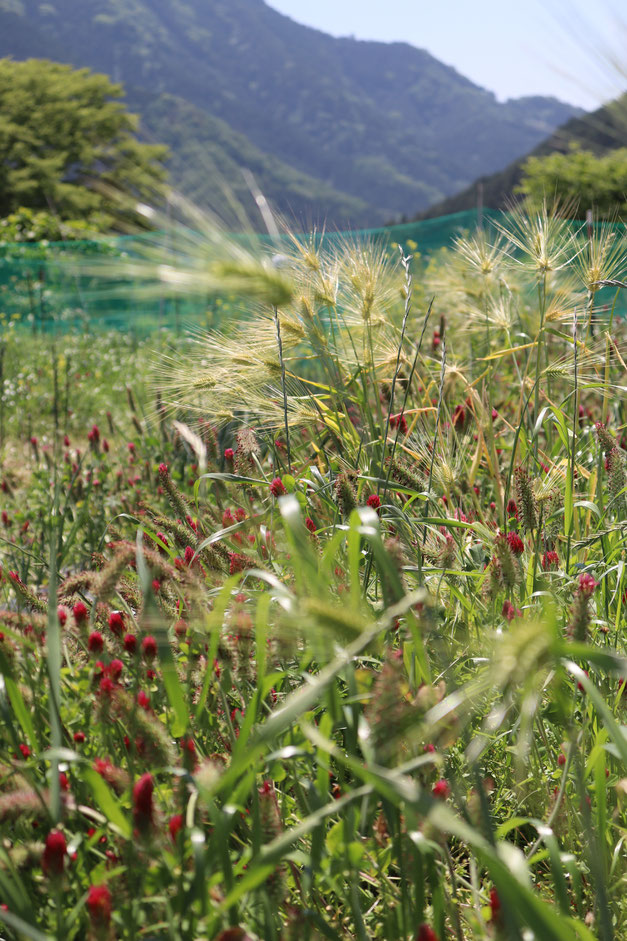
387 125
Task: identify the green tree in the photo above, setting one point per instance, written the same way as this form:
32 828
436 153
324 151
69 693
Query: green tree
61 130
37 225
580 177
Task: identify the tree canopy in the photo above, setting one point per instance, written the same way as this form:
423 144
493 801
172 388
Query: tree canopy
62 129
580 177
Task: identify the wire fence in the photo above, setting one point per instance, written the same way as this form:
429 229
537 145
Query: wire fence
52 287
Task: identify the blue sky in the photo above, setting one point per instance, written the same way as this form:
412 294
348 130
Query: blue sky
527 47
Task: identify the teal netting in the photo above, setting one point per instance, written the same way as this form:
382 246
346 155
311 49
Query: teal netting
60 286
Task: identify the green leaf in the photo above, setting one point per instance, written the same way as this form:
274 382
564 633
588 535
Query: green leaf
615 732
602 657
173 688
589 505
28 931
106 801
21 712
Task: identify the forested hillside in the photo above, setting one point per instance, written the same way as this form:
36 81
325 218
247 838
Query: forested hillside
357 131
600 132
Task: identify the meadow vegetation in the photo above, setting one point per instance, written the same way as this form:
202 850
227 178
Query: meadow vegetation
314 627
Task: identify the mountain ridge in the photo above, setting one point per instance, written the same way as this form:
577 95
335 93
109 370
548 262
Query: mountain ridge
599 131
387 125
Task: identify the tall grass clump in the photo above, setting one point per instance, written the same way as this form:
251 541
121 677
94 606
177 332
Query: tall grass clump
347 657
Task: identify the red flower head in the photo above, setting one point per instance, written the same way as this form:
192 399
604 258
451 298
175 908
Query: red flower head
582 688
53 857
174 825
426 933
189 752
102 766
116 622
180 628
106 686
95 642
115 669
399 421
441 789
79 737
143 699
495 907
130 643
99 670
229 454
510 612
62 615
374 501
237 562
277 488
189 554
99 908
80 612
25 750
149 647
142 802
311 526
515 543
587 584
93 436
512 508
460 417
550 560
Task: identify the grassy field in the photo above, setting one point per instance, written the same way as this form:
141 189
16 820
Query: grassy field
316 628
